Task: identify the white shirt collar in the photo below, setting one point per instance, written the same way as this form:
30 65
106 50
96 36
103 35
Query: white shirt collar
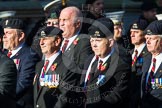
16 50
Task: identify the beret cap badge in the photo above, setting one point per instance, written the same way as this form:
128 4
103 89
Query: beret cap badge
149 32
43 33
97 33
135 26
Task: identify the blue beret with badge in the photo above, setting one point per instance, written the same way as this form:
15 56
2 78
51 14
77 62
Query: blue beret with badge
155 28
50 32
13 23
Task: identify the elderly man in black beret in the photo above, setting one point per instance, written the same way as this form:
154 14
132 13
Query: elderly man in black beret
23 56
152 67
49 91
138 53
105 79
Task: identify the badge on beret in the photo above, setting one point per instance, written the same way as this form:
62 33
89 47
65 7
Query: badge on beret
149 32
135 26
43 33
97 33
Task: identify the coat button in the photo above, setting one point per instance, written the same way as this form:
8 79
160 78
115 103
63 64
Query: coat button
37 106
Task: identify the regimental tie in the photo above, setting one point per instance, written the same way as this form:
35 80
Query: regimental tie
9 54
100 65
151 76
135 57
65 45
45 68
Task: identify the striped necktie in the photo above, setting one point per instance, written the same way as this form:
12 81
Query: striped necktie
135 57
151 76
65 45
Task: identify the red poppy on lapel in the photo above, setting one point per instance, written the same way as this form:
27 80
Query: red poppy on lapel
103 67
76 41
53 67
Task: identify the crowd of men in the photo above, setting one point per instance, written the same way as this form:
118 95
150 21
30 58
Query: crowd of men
82 60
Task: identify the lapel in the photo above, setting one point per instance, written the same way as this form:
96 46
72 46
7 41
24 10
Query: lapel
38 72
86 65
145 70
70 50
158 73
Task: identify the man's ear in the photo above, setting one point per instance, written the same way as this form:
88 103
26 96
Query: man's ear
58 41
111 42
21 36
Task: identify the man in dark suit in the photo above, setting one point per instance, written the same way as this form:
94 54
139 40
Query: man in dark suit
23 56
8 76
138 53
49 88
152 67
106 73
75 46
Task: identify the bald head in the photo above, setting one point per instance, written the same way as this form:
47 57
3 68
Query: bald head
70 21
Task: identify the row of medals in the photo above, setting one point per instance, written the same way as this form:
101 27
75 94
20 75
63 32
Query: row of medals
156 83
51 81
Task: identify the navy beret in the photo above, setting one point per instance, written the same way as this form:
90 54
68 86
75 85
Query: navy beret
155 28
50 32
101 29
140 24
13 23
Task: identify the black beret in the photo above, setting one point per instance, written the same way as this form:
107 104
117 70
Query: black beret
148 5
50 32
101 29
155 28
140 24
13 23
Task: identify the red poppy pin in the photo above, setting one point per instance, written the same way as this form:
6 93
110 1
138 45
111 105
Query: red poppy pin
103 67
76 41
53 67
